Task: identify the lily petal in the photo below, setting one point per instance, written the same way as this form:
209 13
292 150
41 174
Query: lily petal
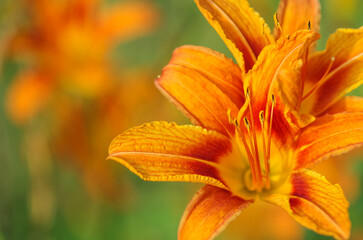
345 46
316 204
286 52
161 151
208 213
348 104
262 82
240 27
219 69
290 82
329 135
296 14
203 93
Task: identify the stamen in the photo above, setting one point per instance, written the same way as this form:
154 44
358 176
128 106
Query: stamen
309 25
262 120
278 25
236 123
273 100
255 152
247 123
252 163
269 139
322 79
256 162
240 134
257 159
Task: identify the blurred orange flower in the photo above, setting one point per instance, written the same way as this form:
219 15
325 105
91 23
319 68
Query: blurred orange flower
69 78
82 135
68 44
262 124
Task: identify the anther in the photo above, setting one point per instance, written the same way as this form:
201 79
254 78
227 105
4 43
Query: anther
309 25
273 100
248 92
229 117
262 118
247 123
278 25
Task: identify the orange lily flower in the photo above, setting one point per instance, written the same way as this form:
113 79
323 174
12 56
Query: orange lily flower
71 55
68 43
262 123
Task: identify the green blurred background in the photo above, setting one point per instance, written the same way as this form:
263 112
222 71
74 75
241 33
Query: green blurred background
49 199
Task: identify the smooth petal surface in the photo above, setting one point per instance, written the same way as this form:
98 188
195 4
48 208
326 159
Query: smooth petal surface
290 82
274 58
240 27
203 93
128 19
316 204
27 95
219 69
161 151
346 47
348 104
329 135
209 212
296 14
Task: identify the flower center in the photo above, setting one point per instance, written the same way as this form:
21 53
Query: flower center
254 144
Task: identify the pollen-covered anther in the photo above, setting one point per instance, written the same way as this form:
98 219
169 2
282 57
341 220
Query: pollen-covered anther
262 118
273 100
247 93
247 123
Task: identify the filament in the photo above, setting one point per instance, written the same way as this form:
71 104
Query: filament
262 120
269 137
321 81
257 159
